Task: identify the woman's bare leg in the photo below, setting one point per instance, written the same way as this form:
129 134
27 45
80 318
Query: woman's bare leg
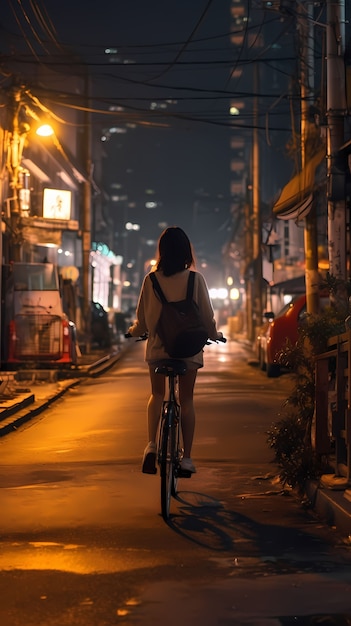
186 398
155 403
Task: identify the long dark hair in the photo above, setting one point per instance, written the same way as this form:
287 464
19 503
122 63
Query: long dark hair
174 251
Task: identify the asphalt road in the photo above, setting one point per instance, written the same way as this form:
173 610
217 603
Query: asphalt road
82 539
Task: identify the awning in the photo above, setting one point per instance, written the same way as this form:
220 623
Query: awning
290 286
296 199
67 161
35 170
296 211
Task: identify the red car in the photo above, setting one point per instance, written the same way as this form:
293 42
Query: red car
277 330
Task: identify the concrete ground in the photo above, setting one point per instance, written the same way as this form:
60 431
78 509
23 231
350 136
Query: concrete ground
25 394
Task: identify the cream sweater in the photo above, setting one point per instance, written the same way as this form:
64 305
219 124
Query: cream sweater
149 309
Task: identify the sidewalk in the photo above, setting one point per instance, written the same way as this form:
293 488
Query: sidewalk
26 393
23 395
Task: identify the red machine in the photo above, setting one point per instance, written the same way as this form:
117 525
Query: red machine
36 328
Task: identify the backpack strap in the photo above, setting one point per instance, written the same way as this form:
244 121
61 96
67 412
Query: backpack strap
157 287
190 289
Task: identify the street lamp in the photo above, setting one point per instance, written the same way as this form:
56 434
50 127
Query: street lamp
45 130
17 136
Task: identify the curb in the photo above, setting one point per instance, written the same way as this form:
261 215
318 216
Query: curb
8 425
331 506
104 364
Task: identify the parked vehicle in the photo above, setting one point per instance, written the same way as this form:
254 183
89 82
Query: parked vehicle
279 329
35 328
100 329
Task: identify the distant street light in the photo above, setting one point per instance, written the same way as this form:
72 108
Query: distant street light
130 226
220 293
234 293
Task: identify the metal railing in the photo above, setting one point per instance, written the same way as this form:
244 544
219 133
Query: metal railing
332 432
38 336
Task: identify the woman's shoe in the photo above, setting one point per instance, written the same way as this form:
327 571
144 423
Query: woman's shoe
149 459
186 465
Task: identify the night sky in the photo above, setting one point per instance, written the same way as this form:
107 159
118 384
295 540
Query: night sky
169 78
174 51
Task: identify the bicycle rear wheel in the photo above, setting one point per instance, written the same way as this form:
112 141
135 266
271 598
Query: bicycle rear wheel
177 453
167 456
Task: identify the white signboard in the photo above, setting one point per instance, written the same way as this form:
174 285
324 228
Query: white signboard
57 204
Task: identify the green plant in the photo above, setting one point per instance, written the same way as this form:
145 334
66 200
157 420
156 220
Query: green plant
290 436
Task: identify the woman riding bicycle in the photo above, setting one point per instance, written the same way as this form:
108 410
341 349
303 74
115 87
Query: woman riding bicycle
175 258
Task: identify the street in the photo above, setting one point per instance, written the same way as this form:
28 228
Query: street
82 539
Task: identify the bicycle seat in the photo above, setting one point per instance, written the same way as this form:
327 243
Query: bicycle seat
170 366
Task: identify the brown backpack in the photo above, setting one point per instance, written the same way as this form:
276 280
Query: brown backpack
180 326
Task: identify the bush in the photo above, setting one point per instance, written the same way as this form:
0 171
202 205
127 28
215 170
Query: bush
290 436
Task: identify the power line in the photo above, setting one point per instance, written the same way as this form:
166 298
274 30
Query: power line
187 42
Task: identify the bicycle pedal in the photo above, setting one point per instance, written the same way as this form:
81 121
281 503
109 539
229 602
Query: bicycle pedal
183 473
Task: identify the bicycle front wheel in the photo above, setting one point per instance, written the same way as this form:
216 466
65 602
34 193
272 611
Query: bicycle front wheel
168 445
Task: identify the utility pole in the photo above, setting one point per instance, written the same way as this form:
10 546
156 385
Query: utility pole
17 136
336 109
256 212
86 222
248 264
305 23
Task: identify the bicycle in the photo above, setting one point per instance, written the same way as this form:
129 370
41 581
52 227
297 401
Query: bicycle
169 449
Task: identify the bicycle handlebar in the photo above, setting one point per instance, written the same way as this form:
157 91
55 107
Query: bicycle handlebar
220 339
141 338
208 342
